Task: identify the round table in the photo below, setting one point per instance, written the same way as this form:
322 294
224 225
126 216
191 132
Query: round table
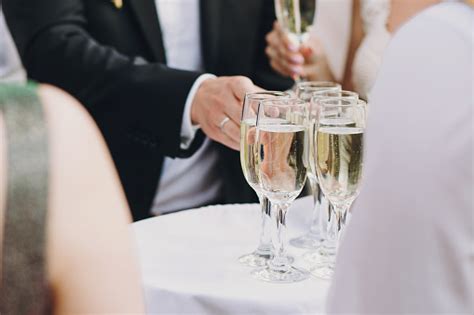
189 263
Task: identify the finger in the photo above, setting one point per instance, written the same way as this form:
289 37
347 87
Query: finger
216 134
232 130
229 142
306 52
241 85
279 49
232 108
279 68
286 41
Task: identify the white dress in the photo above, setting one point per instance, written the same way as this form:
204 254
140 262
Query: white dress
409 248
333 29
368 57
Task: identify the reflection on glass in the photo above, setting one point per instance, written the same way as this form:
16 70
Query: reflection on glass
282 137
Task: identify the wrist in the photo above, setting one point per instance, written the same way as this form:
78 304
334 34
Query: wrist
199 88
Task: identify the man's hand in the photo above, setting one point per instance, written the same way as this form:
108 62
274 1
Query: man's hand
217 99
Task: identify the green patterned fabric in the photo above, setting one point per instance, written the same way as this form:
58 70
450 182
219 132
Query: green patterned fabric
24 282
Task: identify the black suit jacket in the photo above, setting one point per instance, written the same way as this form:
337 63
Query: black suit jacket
113 61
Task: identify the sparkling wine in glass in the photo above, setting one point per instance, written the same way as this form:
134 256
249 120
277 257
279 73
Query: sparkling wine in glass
339 163
296 17
248 160
282 139
326 248
314 236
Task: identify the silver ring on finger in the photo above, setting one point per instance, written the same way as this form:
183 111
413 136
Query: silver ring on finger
223 122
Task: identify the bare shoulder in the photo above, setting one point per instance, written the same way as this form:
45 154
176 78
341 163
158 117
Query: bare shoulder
65 114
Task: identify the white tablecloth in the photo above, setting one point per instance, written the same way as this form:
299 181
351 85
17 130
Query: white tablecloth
189 264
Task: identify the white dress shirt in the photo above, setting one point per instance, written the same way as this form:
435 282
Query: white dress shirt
11 69
191 182
409 248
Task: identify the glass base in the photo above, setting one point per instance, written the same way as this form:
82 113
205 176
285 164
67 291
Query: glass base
318 257
323 271
290 275
307 241
255 259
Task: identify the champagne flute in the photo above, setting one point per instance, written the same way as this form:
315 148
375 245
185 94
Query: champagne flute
296 17
339 161
313 237
282 139
326 247
248 143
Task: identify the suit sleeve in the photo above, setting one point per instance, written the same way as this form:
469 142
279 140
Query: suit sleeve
123 95
264 75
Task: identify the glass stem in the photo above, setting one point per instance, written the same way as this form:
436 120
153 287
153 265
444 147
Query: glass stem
265 246
280 261
318 226
341 223
330 242
336 230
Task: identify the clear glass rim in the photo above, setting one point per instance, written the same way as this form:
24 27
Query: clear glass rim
260 96
283 102
342 94
318 84
350 103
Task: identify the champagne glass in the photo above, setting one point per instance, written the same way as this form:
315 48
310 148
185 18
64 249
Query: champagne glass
282 139
296 17
248 122
339 161
326 248
313 237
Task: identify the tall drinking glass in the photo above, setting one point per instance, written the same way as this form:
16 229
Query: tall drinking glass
339 161
296 17
326 248
313 237
282 139
248 158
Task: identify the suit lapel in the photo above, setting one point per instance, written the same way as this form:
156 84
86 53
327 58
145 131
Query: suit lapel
145 11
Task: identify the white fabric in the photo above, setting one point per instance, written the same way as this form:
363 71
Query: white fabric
11 69
368 57
191 182
189 264
333 27
409 247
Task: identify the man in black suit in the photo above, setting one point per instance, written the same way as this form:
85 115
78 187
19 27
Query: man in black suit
113 56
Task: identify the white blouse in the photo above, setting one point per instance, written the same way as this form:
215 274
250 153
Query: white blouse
368 57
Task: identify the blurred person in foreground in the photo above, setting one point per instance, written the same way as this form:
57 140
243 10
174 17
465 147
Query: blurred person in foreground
65 241
144 70
409 246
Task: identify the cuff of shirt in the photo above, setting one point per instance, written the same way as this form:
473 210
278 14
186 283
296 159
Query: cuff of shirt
188 130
